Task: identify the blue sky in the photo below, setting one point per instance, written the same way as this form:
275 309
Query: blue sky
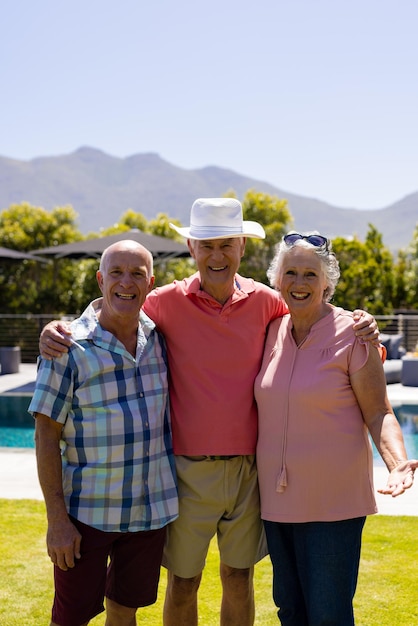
318 97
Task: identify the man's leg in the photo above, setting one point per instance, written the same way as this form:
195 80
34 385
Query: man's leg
237 607
118 615
180 606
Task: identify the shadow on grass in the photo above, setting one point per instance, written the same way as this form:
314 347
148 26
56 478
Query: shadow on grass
387 593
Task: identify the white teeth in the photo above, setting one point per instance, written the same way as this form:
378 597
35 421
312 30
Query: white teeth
299 296
218 269
126 296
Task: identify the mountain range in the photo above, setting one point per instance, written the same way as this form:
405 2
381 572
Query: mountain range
101 188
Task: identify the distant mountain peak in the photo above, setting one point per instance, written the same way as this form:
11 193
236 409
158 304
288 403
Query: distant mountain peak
101 187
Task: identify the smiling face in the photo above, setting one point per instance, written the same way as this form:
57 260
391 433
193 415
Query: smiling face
125 279
218 261
302 280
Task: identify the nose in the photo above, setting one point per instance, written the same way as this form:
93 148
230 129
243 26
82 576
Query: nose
217 253
125 279
299 279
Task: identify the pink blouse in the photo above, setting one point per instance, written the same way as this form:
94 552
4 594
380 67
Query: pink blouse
314 455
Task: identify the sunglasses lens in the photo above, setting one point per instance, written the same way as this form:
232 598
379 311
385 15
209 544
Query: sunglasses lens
292 238
317 240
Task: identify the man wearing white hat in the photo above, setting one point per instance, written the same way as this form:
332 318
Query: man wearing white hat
214 323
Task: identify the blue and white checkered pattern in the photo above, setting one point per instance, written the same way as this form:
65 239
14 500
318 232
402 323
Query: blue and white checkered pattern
118 467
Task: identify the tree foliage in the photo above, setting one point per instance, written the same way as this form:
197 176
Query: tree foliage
370 278
29 286
407 274
273 214
367 274
25 227
165 270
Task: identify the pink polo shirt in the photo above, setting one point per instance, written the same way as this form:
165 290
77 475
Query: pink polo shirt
314 457
214 354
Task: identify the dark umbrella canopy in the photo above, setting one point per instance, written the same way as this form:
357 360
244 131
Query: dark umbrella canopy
17 255
161 248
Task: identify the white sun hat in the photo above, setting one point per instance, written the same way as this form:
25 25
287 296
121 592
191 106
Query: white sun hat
219 218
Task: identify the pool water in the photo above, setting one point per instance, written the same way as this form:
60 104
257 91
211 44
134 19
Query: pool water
14 410
408 418
16 425
22 434
17 437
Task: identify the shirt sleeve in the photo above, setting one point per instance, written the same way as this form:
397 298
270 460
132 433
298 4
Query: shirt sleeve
359 355
53 389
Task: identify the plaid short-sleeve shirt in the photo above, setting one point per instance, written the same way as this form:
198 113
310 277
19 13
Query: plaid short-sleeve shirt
118 468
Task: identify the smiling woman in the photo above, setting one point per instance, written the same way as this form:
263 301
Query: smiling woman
319 392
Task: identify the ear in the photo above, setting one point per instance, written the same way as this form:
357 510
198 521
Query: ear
243 241
190 246
99 278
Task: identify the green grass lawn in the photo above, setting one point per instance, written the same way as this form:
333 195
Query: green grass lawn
387 593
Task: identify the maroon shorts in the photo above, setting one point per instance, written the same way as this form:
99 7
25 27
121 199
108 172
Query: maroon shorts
124 567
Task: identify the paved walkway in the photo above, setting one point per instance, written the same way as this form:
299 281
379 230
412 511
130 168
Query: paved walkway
18 475
19 480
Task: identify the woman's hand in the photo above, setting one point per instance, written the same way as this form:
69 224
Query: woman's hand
400 478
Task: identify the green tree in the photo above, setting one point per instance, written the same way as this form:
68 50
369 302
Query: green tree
172 269
407 274
367 274
25 227
165 270
273 214
128 221
31 286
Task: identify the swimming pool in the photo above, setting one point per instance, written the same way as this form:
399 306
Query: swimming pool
17 426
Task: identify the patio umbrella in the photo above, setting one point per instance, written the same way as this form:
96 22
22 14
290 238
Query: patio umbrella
17 255
161 248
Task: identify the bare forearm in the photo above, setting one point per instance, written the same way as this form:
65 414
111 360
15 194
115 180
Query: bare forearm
63 539
388 438
48 458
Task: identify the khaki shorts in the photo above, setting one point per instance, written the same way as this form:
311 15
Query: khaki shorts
215 498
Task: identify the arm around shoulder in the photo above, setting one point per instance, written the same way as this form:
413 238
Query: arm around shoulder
55 339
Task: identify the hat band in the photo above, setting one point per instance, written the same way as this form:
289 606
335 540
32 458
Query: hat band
201 230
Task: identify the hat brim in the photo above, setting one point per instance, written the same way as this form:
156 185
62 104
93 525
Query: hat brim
249 229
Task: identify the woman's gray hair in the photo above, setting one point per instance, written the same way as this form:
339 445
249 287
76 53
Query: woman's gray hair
328 259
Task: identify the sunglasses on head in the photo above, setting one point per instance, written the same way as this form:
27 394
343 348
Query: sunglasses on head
316 240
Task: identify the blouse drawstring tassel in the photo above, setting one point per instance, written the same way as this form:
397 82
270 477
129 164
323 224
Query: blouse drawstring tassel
282 481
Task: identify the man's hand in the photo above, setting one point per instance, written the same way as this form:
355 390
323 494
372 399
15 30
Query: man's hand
366 327
63 543
54 339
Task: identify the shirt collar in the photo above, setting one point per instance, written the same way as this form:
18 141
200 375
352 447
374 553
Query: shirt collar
87 325
245 285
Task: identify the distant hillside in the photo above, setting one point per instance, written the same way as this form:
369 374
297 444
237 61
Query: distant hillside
101 187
